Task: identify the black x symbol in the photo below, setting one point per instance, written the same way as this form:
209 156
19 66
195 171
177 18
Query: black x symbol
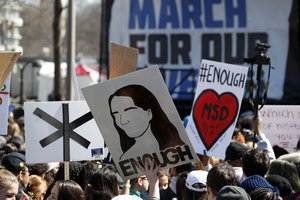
64 129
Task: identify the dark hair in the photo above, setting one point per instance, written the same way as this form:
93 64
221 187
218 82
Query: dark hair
287 170
76 173
38 169
69 189
255 162
193 195
263 193
105 180
220 175
160 123
180 185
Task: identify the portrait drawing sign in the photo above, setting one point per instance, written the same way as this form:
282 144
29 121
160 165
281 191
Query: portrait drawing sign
216 106
138 119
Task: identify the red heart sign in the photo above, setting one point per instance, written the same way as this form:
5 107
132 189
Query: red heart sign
213 114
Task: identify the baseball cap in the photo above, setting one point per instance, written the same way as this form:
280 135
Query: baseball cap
196 180
14 162
235 150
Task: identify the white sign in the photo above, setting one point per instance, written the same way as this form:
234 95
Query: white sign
281 124
4 104
216 106
138 119
177 34
61 131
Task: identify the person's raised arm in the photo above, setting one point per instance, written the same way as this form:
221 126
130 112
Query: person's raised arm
263 142
150 170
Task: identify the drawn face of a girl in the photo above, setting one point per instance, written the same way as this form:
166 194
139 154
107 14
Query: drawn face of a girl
130 118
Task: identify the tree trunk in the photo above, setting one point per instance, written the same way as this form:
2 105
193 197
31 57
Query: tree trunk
106 6
56 48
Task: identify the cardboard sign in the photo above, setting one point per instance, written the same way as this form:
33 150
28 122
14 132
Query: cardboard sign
122 60
4 104
7 62
281 124
61 131
216 106
138 119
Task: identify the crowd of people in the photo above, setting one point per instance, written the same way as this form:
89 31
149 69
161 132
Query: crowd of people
251 169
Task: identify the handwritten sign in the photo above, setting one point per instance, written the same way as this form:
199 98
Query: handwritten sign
61 131
216 106
281 124
138 119
4 103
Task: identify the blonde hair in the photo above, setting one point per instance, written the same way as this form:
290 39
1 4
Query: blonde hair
36 187
7 178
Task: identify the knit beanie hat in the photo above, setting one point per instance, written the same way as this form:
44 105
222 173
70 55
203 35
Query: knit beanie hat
253 182
230 192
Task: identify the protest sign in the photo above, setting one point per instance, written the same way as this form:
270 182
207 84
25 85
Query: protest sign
216 106
122 60
281 124
7 62
138 119
61 131
4 103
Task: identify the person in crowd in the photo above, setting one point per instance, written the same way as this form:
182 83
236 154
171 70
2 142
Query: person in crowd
139 187
284 186
150 169
163 177
287 170
238 136
263 193
89 168
233 156
50 174
138 116
230 192
251 127
36 188
255 162
15 163
180 185
8 185
195 184
38 169
104 182
76 173
67 189
256 181
219 176
171 191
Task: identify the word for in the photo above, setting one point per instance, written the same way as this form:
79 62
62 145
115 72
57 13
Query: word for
213 74
280 114
169 156
187 14
174 49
